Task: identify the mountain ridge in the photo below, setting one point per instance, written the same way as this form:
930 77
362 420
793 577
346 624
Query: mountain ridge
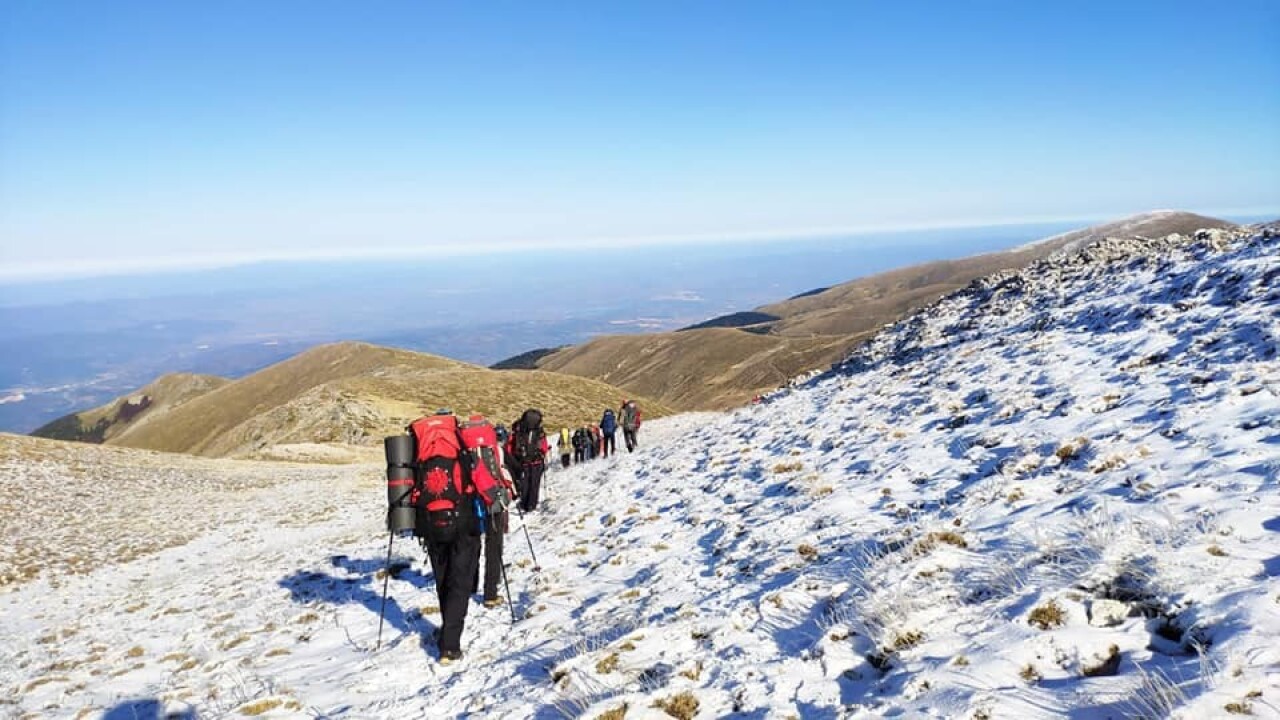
815 328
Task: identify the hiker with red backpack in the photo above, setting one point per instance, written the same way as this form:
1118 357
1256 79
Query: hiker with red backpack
597 440
452 497
528 446
480 439
630 413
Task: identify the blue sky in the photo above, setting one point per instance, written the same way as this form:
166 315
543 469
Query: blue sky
149 133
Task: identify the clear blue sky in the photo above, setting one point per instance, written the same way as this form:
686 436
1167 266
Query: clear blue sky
135 132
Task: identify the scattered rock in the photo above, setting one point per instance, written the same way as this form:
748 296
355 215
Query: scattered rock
1104 667
1107 613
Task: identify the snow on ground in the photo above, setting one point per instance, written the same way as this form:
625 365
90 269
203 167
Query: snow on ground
1052 494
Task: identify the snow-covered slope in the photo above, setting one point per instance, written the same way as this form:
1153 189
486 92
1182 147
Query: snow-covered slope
1052 494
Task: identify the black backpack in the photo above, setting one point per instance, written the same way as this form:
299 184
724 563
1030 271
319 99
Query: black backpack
527 446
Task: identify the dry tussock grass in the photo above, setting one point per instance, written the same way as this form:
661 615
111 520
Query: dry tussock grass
948 537
617 713
1047 616
682 706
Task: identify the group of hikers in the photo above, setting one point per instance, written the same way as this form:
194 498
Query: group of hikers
600 440
451 483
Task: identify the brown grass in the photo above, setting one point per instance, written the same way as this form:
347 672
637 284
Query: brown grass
617 713
948 537
808 552
1047 616
1071 449
682 706
607 664
907 640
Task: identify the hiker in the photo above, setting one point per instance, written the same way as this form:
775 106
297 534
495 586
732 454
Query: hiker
630 413
587 443
565 445
597 440
449 495
487 457
609 428
579 446
528 445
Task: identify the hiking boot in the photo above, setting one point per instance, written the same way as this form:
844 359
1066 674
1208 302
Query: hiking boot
492 602
448 657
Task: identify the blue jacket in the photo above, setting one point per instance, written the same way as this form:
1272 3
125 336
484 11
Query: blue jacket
608 424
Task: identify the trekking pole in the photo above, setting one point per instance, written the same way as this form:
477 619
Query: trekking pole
507 585
386 578
525 526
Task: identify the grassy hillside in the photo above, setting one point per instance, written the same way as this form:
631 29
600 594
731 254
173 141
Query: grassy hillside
710 368
134 410
354 393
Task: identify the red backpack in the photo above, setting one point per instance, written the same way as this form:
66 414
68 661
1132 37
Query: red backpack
442 487
481 442
488 469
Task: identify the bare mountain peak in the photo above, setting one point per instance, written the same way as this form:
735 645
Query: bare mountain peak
1156 223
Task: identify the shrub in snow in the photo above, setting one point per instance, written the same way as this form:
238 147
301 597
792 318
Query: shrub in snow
682 706
1047 616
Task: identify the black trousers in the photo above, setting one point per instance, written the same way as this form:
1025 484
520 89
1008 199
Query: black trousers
495 528
454 566
629 436
579 454
610 444
564 460
532 477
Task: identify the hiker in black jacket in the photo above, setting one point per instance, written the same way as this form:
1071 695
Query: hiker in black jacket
528 446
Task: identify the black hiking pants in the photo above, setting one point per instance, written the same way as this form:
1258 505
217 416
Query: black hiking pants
629 436
610 443
565 459
532 476
493 532
453 564
579 455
